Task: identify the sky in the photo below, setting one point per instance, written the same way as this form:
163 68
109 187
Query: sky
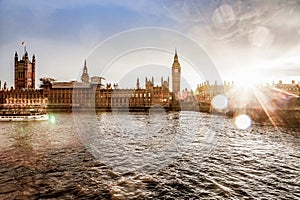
249 41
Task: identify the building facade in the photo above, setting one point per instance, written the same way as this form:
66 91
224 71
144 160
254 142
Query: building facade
77 95
24 72
85 76
23 95
292 88
89 93
176 75
92 93
22 99
206 91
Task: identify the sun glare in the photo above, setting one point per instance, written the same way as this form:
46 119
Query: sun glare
52 119
243 121
245 85
220 102
247 79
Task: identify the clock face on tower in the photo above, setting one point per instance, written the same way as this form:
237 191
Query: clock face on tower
176 71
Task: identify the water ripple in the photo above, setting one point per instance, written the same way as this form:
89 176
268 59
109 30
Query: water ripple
46 161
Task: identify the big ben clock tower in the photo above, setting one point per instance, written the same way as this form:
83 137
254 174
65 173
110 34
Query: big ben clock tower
176 72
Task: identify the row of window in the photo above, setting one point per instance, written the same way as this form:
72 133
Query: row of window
21 75
293 89
101 101
22 96
118 94
25 101
106 103
32 96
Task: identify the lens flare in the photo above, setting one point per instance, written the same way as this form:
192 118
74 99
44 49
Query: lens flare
223 17
261 36
220 102
243 121
52 119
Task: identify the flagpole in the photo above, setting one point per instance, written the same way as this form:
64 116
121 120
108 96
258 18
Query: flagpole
24 44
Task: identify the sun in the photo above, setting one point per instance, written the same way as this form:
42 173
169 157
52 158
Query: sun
247 79
245 84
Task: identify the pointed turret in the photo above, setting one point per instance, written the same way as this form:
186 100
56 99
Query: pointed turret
16 58
176 74
24 71
33 58
175 56
26 55
85 76
138 83
33 71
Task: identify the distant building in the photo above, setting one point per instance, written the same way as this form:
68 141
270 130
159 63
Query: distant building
22 99
73 95
206 91
25 72
96 79
152 95
23 95
65 95
85 76
176 75
292 88
89 93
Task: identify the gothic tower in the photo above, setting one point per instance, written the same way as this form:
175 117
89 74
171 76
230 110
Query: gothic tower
137 83
85 76
25 72
176 73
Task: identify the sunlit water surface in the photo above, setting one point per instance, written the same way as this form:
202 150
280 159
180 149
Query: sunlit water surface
185 155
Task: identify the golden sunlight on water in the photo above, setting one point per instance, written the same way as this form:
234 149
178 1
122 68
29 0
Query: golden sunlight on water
53 161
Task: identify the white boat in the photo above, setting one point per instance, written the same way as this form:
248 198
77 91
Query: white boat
32 115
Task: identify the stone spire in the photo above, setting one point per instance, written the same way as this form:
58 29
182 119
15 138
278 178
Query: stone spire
176 75
16 58
85 76
175 56
138 83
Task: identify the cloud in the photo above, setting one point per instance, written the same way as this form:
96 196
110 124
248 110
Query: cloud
244 34
236 34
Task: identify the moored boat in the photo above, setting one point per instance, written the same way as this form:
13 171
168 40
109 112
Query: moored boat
24 116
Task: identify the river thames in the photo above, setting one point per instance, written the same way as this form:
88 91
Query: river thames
176 155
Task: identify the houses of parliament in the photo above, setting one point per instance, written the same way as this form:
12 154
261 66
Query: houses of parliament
90 92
